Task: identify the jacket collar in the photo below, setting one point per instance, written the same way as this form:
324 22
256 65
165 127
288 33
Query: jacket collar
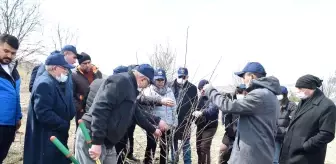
133 79
94 69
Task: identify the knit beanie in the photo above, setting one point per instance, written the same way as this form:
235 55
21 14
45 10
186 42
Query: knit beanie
309 82
84 57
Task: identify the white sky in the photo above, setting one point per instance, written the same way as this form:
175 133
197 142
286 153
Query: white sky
290 38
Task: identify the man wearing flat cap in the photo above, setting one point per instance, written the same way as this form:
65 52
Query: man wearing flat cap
312 126
49 114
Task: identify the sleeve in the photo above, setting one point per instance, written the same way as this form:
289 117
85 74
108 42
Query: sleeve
43 102
242 106
76 98
108 95
326 130
32 77
143 122
149 100
18 108
211 110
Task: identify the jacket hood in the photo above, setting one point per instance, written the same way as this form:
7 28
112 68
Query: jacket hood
271 83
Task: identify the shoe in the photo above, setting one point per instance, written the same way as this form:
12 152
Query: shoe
132 158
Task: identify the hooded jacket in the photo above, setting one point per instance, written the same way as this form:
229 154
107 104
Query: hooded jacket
259 110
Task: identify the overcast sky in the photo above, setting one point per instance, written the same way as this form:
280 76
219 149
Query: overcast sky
290 38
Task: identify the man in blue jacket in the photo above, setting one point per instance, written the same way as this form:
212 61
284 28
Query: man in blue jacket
207 123
10 112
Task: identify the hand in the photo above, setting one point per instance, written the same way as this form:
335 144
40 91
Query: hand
95 152
223 147
163 126
18 125
197 114
157 133
167 102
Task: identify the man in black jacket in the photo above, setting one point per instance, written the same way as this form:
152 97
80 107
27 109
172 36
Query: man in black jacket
111 113
312 126
186 99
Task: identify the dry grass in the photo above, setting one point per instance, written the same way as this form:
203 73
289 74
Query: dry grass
16 151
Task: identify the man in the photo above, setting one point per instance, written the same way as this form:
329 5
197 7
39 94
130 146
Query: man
312 126
49 114
70 54
186 98
111 113
258 110
207 123
139 118
230 120
287 108
82 77
10 113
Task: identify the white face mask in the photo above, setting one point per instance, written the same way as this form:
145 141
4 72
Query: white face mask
63 78
301 95
280 97
180 81
240 96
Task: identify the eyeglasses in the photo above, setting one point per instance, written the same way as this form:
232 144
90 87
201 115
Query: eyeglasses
182 77
160 80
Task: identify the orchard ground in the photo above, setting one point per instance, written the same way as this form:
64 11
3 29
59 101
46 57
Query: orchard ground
15 155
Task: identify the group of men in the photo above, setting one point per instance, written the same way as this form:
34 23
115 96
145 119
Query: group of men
262 125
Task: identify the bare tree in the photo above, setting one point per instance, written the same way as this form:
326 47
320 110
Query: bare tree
165 58
329 86
21 19
63 36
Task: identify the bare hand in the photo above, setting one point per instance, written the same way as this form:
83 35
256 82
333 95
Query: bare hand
167 102
223 147
18 125
157 133
95 152
163 126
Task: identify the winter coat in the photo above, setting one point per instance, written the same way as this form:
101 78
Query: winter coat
81 85
32 77
284 119
259 110
186 99
167 114
10 111
209 118
311 129
49 114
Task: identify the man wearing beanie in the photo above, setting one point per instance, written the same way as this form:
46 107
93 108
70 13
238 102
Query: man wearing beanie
312 126
258 110
82 77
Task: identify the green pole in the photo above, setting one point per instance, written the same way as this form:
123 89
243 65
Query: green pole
63 149
85 132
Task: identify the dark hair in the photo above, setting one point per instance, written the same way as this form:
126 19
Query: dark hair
10 40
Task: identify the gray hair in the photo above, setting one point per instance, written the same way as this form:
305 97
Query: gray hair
49 67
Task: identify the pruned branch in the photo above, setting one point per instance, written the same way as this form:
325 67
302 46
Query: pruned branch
165 58
63 36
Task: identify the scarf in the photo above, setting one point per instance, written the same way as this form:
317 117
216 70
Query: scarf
160 91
